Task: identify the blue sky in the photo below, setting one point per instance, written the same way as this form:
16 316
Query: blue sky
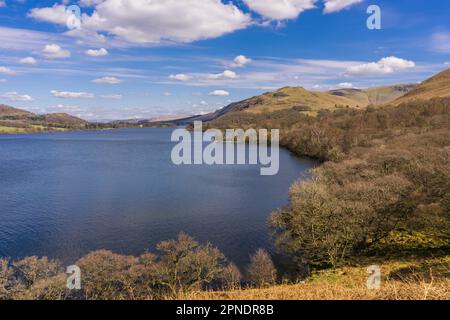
150 58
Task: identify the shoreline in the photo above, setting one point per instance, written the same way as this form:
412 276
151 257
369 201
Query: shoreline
55 131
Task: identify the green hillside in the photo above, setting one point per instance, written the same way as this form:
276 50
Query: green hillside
13 121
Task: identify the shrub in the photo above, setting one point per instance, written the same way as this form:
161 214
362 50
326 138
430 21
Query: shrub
261 271
26 278
182 266
185 265
32 269
5 276
106 276
231 277
324 224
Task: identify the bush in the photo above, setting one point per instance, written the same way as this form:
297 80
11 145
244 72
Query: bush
32 269
325 224
231 277
106 276
261 271
185 265
5 276
182 266
31 278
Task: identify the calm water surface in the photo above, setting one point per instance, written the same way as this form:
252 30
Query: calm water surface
63 195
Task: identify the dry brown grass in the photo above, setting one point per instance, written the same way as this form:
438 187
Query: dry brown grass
289 97
11 130
375 95
392 290
435 87
410 280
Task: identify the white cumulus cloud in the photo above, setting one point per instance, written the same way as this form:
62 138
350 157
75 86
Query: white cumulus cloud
346 85
14 96
54 51
96 53
338 5
28 60
154 21
280 9
227 74
219 93
56 14
384 66
180 77
241 61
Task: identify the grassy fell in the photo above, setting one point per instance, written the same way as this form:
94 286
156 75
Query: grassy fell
408 279
435 87
289 97
17 121
375 95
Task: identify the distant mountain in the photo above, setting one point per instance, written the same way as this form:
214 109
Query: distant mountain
288 101
437 86
306 102
283 99
375 95
291 102
168 118
7 111
303 101
297 100
13 120
288 98
64 118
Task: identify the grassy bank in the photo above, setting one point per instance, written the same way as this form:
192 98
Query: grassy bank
32 129
408 279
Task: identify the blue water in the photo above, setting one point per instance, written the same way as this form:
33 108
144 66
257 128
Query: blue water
63 195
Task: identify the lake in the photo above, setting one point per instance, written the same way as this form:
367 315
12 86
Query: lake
63 195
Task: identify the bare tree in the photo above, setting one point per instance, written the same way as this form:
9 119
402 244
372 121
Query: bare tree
261 271
231 277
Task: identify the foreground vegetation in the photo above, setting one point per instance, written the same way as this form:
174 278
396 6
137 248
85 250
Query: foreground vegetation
180 267
184 269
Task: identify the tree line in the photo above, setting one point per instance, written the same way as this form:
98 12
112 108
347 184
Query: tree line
181 266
